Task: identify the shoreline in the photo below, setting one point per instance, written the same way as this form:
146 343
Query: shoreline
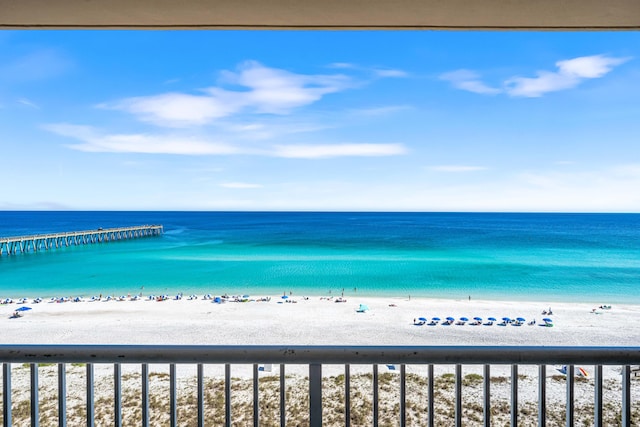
317 321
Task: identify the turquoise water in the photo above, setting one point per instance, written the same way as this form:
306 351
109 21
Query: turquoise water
546 257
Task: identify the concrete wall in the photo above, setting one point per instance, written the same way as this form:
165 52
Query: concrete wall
427 14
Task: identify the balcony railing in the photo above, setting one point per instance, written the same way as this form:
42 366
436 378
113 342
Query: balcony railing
315 357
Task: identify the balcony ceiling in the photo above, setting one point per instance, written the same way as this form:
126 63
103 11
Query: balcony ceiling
323 14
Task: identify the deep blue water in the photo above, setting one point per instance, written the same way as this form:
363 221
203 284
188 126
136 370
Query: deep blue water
546 257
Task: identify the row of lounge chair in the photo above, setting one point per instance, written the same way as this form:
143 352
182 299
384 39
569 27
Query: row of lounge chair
478 321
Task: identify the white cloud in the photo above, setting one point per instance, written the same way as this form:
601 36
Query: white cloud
338 150
271 129
457 168
28 103
343 65
589 67
391 73
176 109
240 185
278 91
381 111
571 73
469 81
263 90
94 141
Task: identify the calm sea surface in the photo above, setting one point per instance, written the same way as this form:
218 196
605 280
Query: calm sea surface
545 257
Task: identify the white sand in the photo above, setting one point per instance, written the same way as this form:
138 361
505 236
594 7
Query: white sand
315 322
324 322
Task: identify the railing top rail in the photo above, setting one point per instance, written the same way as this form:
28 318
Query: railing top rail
319 354
81 232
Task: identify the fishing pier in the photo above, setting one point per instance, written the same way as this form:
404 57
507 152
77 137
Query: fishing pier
38 242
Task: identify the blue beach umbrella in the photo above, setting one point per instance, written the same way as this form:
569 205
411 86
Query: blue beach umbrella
451 319
492 319
521 319
506 319
422 319
23 308
284 296
437 319
547 320
464 319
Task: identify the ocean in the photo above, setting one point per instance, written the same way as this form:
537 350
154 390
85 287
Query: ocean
505 256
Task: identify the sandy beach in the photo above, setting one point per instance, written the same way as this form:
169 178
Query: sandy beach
316 321
322 321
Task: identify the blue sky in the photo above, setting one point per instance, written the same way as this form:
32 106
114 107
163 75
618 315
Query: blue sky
282 120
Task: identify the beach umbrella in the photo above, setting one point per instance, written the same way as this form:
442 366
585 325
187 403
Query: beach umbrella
464 319
506 319
547 320
284 296
245 296
491 319
437 319
422 319
23 308
451 319
479 319
521 319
